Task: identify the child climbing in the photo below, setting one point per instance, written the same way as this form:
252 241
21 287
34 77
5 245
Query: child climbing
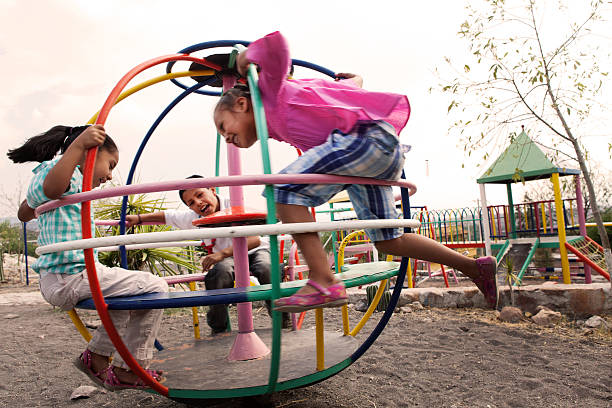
63 277
343 130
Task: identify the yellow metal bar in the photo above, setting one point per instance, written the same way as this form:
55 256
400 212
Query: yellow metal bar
153 81
194 312
320 340
345 320
543 217
571 203
343 244
561 229
493 222
368 313
408 274
78 323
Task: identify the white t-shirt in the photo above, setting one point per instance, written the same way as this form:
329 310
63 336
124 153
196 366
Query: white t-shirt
182 219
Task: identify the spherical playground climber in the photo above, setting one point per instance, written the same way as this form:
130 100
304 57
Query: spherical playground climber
262 362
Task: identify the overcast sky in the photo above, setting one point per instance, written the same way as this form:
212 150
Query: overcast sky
60 59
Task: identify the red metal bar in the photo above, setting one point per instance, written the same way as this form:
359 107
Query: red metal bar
90 160
586 260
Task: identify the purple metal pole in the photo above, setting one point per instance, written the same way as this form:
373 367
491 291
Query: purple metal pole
581 223
247 345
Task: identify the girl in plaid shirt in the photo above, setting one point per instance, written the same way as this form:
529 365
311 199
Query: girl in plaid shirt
63 278
343 130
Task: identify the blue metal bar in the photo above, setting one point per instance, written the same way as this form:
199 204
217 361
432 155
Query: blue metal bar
231 43
122 251
25 250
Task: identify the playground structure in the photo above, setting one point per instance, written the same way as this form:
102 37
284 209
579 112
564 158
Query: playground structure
307 357
513 232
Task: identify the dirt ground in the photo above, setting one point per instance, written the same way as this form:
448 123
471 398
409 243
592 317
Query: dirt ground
430 357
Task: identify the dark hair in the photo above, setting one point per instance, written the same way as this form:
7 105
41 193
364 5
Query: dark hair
45 146
181 192
228 99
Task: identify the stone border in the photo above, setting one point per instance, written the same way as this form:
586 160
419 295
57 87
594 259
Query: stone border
576 299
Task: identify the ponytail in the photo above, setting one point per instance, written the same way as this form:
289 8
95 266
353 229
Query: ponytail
228 99
45 146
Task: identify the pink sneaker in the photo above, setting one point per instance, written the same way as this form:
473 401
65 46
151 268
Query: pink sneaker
487 279
332 296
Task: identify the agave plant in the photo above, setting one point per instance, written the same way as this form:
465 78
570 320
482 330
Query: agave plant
161 261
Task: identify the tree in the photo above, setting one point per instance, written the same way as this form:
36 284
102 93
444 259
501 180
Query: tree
542 190
168 260
524 75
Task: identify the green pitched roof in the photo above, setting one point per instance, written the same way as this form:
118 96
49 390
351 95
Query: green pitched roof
522 160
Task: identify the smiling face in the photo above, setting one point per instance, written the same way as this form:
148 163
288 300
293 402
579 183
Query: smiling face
202 201
237 125
106 161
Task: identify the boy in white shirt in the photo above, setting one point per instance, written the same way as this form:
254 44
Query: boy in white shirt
219 262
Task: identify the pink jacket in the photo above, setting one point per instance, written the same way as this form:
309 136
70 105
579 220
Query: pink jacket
303 112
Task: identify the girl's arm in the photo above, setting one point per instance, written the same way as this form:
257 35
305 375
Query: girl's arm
271 54
58 180
25 213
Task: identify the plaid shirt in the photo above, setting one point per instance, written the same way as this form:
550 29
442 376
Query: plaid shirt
58 225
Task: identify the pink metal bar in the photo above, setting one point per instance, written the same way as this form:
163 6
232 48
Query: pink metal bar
582 223
247 345
217 182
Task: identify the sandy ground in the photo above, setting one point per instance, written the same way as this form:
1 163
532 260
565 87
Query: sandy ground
430 357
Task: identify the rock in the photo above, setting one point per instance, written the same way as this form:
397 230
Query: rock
528 315
361 305
406 309
11 316
465 329
511 314
84 391
546 317
595 322
93 324
416 305
541 307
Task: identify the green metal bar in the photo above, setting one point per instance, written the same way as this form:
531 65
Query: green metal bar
262 134
263 292
218 159
511 211
250 391
334 240
2 264
334 210
500 254
519 277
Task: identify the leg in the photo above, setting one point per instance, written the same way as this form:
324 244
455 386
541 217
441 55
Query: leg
219 276
138 328
482 271
422 247
310 246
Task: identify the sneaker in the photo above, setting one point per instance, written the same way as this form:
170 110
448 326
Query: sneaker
486 280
